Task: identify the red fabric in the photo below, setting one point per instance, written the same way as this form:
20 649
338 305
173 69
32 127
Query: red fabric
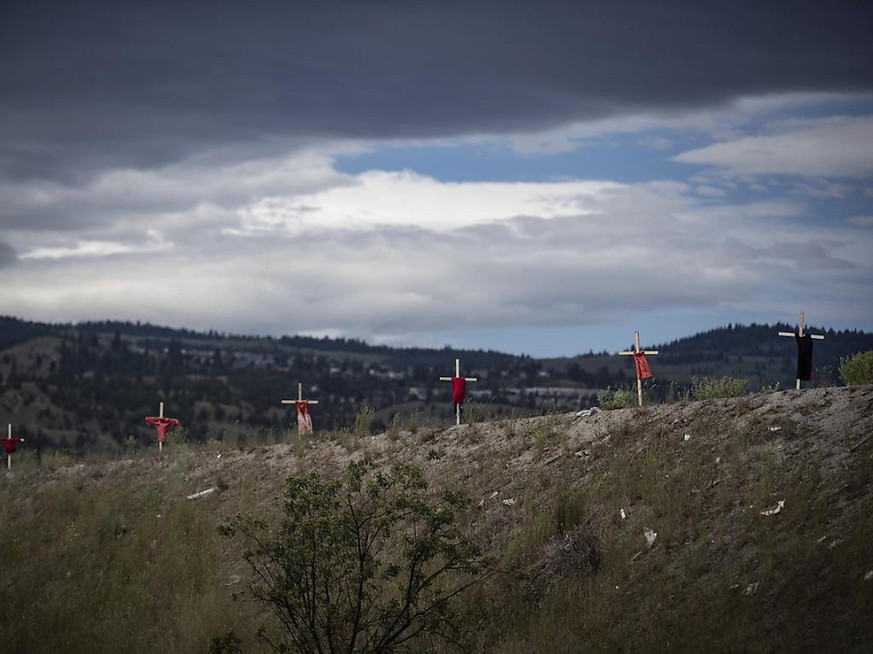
10 444
161 425
459 389
304 419
642 365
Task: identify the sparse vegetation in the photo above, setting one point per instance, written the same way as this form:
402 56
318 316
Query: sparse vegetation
362 420
857 369
705 388
109 555
618 398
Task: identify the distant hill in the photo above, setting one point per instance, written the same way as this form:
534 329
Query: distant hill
752 351
89 385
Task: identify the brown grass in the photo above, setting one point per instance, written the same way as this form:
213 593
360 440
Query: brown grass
109 555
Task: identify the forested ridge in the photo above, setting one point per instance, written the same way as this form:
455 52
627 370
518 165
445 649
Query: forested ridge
89 385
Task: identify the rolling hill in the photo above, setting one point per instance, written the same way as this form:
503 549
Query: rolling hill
88 386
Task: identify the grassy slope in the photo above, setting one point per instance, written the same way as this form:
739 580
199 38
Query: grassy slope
110 556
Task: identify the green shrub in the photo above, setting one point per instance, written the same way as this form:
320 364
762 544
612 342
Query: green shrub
362 420
619 398
858 369
707 388
362 564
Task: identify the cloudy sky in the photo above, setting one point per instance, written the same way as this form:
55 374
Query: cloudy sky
539 177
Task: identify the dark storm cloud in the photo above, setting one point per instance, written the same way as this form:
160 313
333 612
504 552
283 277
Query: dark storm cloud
92 85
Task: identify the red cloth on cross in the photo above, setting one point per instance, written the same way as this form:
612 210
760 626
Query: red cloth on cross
642 365
161 425
10 444
459 390
304 419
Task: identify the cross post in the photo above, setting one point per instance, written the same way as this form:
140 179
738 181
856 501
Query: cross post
641 365
304 420
459 389
804 351
161 415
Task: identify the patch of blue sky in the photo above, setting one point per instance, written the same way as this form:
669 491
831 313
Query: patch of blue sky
656 328
627 158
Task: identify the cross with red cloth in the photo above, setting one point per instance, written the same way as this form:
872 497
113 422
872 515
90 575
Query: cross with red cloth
459 390
10 443
641 365
304 419
162 425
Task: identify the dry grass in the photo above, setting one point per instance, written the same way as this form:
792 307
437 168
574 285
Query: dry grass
108 555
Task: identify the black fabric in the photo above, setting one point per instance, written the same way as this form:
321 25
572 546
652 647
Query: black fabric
804 357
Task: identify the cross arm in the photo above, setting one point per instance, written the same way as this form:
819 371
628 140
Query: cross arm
817 337
642 351
296 401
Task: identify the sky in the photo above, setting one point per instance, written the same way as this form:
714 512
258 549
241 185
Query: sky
532 177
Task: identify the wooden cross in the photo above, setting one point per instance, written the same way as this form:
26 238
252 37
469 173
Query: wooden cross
451 379
10 441
818 337
300 399
633 352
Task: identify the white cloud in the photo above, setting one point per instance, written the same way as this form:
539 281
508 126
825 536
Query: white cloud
284 243
826 147
153 243
381 255
406 199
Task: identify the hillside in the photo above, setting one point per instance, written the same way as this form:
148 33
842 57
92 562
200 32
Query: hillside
87 387
109 555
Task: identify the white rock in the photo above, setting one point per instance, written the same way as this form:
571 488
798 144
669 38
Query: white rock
773 510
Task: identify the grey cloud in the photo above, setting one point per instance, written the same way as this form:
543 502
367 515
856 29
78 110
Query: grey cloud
8 255
93 85
519 273
167 197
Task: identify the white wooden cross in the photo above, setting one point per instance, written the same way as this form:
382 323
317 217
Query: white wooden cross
299 399
818 337
631 353
458 376
9 456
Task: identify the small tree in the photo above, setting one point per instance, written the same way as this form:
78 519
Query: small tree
365 564
858 369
